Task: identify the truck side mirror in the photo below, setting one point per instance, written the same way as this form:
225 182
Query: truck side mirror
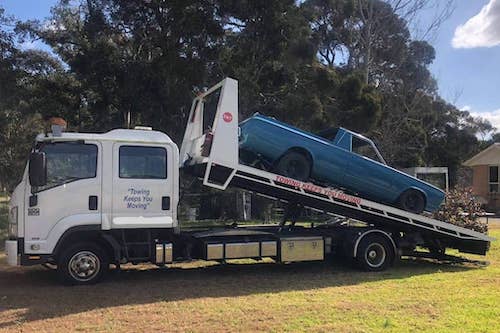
38 169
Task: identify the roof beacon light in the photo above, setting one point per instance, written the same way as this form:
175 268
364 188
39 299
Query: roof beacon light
57 125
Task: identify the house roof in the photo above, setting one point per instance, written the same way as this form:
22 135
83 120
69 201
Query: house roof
489 156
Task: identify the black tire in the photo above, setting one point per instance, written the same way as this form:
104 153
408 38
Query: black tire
375 253
251 159
294 165
92 257
412 201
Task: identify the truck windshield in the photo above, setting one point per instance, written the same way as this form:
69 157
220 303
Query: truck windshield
68 161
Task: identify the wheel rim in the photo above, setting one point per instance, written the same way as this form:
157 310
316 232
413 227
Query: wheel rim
84 266
375 255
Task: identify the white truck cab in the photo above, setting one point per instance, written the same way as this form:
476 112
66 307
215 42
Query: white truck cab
122 179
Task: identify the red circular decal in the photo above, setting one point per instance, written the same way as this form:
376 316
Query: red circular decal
227 117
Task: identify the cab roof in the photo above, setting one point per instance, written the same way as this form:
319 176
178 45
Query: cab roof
123 135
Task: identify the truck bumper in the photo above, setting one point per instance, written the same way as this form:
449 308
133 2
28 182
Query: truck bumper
13 258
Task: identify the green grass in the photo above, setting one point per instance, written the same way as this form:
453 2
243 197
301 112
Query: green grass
414 296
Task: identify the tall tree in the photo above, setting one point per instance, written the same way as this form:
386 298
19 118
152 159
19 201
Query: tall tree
28 82
315 64
380 20
332 23
135 59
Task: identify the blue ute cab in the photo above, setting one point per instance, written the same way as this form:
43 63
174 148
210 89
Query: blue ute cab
336 157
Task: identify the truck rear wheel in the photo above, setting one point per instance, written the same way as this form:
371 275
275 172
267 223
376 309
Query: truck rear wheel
294 165
374 253
82 264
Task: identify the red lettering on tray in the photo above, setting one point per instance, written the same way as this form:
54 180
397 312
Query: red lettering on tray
318 189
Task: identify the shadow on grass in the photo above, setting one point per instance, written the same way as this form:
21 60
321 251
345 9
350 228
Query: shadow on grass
37 294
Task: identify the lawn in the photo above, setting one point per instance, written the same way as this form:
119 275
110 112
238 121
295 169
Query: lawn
414 296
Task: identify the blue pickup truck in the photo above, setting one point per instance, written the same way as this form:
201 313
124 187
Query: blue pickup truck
336 157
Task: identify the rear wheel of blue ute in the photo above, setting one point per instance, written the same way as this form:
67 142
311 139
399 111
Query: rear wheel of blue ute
294 165
412 201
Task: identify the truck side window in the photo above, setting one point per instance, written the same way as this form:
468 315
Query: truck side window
143 162
69 161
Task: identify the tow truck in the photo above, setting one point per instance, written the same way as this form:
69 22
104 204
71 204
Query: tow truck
87 201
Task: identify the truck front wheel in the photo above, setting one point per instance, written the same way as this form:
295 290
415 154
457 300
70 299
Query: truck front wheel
82 264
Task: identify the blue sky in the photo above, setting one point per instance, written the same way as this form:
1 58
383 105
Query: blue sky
467 65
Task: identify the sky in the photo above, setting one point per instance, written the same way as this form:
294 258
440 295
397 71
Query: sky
467 64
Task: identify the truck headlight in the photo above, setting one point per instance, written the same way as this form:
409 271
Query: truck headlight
13 219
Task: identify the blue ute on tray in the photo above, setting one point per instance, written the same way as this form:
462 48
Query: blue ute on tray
336 157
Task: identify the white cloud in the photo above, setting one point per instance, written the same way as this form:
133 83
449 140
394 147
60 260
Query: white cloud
492 116
481 30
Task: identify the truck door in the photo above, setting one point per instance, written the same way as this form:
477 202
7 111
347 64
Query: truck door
143 186
71 197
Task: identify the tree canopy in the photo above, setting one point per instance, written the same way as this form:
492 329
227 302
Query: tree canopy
314 64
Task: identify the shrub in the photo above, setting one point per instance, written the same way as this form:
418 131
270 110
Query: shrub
461 208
